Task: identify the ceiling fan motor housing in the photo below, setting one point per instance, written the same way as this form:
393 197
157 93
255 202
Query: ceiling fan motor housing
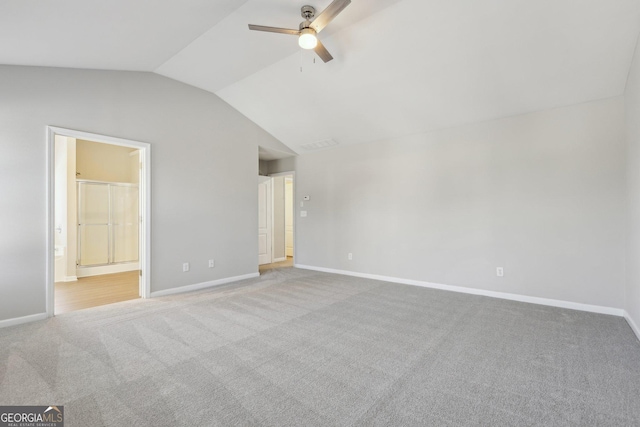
308 12
304 25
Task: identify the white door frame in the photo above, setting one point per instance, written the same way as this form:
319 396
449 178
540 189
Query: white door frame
295 208
145 199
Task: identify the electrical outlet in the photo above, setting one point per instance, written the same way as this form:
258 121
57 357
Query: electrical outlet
350 256
212 263
185 267
303 214
499 271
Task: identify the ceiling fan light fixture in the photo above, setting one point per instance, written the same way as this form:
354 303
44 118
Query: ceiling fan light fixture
308 39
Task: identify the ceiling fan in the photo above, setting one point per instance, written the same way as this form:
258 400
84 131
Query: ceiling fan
310 27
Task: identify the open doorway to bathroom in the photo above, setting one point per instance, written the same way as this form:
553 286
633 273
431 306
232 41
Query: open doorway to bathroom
276 201
98 221
276 209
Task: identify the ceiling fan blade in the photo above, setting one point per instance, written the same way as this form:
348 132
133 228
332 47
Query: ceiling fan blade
329 14
322 52
274 30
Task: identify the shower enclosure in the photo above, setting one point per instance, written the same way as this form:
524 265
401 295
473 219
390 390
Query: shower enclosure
107 223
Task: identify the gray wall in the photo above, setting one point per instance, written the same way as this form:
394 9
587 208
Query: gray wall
632 103
263 168
282 165
204 181
542 195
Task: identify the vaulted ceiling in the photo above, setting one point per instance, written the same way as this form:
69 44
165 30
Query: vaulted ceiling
401 66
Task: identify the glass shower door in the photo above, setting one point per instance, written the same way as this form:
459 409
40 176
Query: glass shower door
124 223
93 224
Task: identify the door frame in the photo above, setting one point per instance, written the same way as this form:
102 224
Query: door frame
295 208
144 244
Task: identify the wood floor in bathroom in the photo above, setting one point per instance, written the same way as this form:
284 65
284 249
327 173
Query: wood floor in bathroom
95 291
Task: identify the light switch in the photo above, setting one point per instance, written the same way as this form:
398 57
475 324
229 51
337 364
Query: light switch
305 198
303 214
302 204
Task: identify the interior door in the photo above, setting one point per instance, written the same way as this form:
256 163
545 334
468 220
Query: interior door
264 220
288 216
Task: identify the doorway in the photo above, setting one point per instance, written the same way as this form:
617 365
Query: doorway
277 211
98 220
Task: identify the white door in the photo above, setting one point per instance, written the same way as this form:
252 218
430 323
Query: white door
288 216
264 220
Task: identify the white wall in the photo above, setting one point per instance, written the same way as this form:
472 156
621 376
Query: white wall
65 208
60 207
288 215
632 104
542 195
204 156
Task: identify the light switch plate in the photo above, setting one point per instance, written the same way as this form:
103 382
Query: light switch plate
305 198
303 214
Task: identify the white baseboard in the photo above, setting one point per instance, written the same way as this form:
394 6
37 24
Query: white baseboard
279 259
204 285
21 320
70 279
106 269
502 295
633 325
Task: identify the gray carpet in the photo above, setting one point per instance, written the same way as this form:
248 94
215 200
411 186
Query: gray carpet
300 348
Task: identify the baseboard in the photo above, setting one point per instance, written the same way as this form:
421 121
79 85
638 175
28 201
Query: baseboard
279 259
204 285
21 320
107 269
502 295
70 279
633 325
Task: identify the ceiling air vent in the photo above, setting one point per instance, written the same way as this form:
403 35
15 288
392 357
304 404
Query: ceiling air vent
319 144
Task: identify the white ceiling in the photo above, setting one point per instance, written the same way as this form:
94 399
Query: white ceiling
113 34
229 52
401 66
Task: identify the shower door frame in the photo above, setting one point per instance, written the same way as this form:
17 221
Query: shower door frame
144 194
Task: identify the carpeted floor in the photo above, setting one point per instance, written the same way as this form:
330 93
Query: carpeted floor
300 348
